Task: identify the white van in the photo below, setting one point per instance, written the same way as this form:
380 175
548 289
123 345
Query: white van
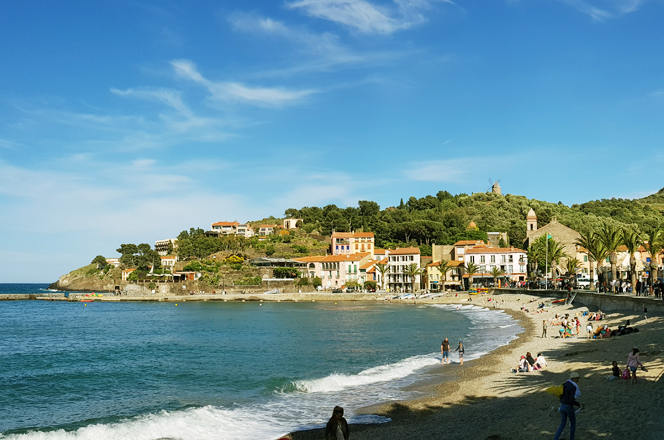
583 282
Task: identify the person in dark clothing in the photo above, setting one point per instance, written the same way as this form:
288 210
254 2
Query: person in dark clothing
531 361
445 351
571 392
337 426
461 350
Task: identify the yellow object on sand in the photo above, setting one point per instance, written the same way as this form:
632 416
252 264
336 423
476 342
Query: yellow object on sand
555 390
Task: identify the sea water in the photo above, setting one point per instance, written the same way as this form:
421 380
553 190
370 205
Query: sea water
215 370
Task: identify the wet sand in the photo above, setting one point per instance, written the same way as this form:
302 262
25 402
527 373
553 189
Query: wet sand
483 400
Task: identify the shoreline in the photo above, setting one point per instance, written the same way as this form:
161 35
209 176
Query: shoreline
484 400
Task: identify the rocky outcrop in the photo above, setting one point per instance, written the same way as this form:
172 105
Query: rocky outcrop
86 278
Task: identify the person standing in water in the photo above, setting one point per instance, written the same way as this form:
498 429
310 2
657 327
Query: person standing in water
445 351
337 426
460 349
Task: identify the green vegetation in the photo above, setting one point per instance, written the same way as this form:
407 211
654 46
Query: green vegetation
141 256
285 272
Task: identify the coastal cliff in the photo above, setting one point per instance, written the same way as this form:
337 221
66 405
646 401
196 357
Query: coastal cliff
88 278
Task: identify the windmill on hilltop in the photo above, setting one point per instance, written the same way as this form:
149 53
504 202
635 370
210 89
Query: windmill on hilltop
494 187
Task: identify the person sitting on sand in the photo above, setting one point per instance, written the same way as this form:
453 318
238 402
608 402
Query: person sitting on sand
531 361
523 366
337 426
540 361
615 372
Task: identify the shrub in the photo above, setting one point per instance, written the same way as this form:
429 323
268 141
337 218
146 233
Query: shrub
317 282
269 250
236 266
194 266
285 272
249 281
234 259
304 281
370 285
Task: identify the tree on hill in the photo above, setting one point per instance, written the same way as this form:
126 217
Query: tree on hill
100 261
139 256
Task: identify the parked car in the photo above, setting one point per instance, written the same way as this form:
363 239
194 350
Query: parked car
583 283
337 291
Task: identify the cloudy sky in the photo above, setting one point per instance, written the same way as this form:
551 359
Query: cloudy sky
128 121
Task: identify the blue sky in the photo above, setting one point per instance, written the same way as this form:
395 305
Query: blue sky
129 121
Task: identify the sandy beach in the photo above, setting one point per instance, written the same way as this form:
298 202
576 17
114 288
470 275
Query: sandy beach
483 399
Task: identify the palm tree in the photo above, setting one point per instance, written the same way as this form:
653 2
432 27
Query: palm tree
632 241
443 267
611 238
534 255
596 251
654 246
496 272
553 250
382 269
412 270
572 266
471 269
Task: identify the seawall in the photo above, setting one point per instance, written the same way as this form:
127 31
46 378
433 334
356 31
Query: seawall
25 296
599 301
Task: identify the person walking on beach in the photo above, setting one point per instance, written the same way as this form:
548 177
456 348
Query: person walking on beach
544 326
571 392
337 426
645 312
445 351
460 349
633 361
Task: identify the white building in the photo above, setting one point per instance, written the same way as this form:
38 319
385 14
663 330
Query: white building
399 260
161 246
512 261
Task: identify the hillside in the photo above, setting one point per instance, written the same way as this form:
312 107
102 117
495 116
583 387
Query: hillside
444 218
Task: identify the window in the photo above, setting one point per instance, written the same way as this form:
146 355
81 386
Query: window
471 259
502 258
510 269
355 246
511 259
585 258
493 258
412 258
482 259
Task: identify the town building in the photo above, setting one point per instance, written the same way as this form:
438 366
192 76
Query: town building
511 261
168 261
345 243
335 270
115 262
290 223
399 260
452 280
161 246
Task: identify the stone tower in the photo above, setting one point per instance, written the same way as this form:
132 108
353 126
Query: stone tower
531 222
496 189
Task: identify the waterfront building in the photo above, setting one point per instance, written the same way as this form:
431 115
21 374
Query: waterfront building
435 276
335 270
348 243
511 261
398 260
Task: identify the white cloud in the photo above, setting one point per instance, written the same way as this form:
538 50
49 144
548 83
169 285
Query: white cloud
601 10
170 97
365 16
658 93
238 92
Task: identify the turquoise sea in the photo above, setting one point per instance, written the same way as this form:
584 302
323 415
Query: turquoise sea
215 370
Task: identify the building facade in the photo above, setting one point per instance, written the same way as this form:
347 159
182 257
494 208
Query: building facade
348 243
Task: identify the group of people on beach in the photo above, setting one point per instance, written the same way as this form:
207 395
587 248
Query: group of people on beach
527 363
445 351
